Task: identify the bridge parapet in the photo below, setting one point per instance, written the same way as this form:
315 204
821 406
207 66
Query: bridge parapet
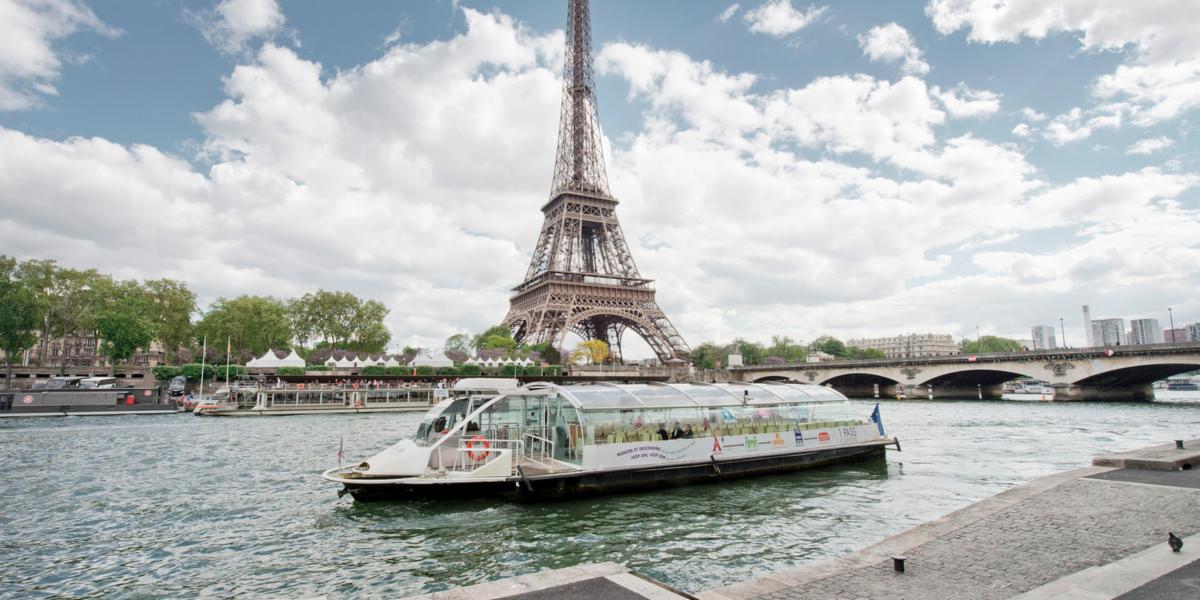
1084 370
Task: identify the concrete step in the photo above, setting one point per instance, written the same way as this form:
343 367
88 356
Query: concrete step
1158 458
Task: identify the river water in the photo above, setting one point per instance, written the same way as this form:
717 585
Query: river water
175 505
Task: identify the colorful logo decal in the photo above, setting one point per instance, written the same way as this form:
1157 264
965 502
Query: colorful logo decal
778 440
27 399
146 393
799 438
716 445
823 436
751 442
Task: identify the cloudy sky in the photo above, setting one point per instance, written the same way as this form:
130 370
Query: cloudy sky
856 168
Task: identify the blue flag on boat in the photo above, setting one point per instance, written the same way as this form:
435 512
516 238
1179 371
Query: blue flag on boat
876 420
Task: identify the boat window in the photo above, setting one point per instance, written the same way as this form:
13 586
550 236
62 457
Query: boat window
836 411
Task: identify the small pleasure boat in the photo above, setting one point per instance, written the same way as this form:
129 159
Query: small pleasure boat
492 437
256 400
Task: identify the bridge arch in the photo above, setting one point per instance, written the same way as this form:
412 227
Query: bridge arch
1137 375
775 378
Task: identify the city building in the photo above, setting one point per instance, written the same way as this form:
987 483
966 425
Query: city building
1087 326
1107 332
1175 336
1043 337
81 351
1193 332
910 345
816 356
1145 331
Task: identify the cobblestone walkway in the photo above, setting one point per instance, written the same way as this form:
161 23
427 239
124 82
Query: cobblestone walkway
1075 525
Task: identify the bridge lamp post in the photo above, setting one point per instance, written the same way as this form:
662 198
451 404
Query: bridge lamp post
1064 332
1171 316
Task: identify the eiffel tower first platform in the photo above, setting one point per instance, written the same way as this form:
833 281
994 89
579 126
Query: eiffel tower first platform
582 278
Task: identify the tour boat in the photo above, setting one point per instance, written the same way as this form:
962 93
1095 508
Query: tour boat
255 400
550 441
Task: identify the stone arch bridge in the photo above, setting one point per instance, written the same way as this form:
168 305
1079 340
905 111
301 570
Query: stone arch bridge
1115 373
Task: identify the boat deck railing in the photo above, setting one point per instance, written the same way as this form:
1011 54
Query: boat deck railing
538 449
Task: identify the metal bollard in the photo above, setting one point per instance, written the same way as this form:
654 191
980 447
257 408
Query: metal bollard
898 563
1179 444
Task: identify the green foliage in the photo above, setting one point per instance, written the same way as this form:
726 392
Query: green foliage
170 308
832 346
123 321
21 310
192 371
548 353
374 370
425 371
340 319
291 370
164 372
590 351
753 353
398 370
253 324
533 371
470 371
553 371
316 368
510 371
458 343
707 356
448 371
871 353
233 371
494 337
787 349
990 343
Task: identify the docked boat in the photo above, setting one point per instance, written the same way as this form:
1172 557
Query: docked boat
551 441
82 397
256 400
1185 385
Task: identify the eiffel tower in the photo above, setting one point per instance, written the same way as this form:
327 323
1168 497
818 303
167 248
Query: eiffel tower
582 278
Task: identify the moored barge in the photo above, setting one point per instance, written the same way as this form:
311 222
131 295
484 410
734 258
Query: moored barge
552 441
256 400
83 397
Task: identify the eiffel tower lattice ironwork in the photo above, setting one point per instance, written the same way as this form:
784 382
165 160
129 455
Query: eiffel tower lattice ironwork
582 278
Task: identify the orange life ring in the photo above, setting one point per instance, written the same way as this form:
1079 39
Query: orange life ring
478 456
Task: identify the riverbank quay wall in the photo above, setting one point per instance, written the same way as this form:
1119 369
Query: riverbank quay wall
1096 532
1118 373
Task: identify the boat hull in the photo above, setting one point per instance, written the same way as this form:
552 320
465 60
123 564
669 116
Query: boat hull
610 481
285 412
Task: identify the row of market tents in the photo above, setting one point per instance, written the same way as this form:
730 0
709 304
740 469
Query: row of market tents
271 360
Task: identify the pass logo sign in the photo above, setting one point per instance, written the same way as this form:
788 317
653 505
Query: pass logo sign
823 436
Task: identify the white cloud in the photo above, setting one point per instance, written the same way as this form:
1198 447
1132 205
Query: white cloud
962 102
892 43
779 18
1150 145
1160 79
1032 116
234 24
1022 130
29 61
1075 125
729 12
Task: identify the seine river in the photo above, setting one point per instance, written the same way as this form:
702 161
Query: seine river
176 505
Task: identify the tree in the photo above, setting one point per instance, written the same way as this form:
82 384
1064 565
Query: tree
253 324
21 312
990 343
594 351
458 347
367 330
752 353
707 356
124 322
303 322
72 302
171 306
786 349
831 345
495 334
547 352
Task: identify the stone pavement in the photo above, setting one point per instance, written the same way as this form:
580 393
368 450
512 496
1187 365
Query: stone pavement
1025 538
584 582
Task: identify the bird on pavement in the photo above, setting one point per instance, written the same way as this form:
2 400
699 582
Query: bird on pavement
1174 541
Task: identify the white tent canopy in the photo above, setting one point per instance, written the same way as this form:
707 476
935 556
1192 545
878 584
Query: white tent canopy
428 360
270 361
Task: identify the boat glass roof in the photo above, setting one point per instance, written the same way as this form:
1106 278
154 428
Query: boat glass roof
611 396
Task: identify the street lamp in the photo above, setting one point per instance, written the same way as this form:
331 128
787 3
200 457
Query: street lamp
1171 316
1064 332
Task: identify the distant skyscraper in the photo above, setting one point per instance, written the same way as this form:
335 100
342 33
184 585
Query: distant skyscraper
1087 326
1173 336
1108 332
1193 332
1145 331
1043 338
